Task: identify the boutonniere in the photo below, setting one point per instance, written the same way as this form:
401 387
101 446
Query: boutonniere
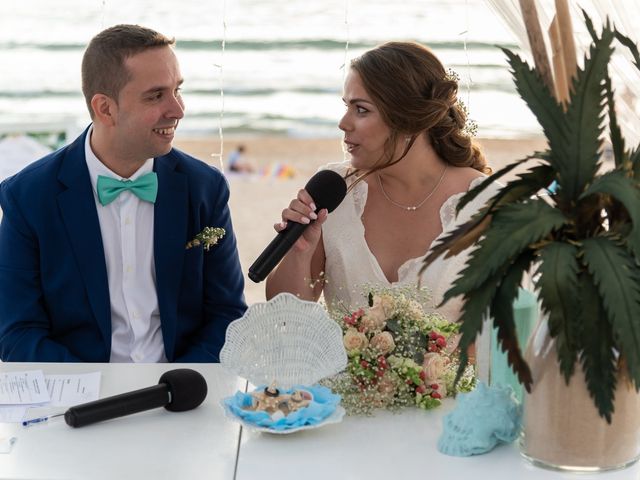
208 237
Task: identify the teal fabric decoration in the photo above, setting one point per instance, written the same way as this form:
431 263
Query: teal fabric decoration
525 317
482 419
324 403
145 188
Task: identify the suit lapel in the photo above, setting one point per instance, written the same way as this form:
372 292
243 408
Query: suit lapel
78 211
170 224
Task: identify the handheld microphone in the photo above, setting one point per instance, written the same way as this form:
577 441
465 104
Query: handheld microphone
178 390
328 189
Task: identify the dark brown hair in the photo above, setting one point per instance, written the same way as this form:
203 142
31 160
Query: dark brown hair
415 94
103 67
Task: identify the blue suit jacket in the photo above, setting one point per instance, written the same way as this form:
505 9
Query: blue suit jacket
54 294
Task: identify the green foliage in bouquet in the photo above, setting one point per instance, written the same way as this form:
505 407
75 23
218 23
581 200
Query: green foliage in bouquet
584 239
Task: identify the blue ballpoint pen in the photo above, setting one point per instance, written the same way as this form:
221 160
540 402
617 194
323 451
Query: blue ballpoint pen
33 421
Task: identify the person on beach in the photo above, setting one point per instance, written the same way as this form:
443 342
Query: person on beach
411 160
94 264
237 163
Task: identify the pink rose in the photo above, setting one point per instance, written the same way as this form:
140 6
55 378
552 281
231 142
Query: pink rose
433 366
354 341
374 319
383 343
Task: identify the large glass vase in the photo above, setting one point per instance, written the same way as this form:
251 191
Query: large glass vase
561 427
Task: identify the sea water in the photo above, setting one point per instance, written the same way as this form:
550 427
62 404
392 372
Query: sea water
280 69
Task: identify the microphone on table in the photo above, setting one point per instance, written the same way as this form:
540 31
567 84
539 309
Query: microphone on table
177 391
328 189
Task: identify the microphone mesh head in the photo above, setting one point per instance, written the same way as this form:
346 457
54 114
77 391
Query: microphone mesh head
188 389
327 188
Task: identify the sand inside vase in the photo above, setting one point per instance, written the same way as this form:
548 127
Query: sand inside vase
562 426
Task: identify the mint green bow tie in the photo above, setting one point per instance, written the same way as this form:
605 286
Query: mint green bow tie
145 188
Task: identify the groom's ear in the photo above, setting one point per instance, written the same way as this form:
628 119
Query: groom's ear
104 109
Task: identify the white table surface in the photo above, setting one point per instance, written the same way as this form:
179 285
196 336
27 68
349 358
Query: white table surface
202 443
156 444
386 447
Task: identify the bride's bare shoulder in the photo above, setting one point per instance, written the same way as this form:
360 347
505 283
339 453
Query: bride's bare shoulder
461 179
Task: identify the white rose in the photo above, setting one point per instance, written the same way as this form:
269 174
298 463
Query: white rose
442 389
355 341
383 343
386 302
415 310
433 366
387 385
374 318
452 343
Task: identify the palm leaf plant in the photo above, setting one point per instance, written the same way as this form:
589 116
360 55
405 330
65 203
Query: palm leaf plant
583 242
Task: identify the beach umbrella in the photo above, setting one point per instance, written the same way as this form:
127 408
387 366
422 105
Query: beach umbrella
16 152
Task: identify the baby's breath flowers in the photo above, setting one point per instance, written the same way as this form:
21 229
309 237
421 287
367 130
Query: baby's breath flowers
399 355
208 237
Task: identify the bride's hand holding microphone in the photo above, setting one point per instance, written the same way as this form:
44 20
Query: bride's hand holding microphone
300 232
302 210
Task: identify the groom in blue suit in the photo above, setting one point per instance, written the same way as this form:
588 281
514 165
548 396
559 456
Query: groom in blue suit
93 259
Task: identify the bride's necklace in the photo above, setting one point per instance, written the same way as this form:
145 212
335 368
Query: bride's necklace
412 208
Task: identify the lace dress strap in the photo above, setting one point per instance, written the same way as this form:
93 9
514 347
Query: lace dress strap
448 216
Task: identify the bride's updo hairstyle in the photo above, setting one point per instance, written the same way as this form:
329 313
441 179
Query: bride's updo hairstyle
415 94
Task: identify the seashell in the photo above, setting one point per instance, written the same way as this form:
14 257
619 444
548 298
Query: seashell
286 340
282 403
482 418
323 410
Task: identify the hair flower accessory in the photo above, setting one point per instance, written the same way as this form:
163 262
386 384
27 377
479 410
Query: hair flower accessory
470 128
208 237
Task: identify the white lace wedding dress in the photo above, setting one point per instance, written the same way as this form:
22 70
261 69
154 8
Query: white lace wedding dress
350 266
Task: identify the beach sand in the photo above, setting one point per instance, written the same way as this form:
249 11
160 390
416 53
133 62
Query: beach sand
257 200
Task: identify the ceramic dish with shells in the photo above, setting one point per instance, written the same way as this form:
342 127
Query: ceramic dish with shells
285 345
318 406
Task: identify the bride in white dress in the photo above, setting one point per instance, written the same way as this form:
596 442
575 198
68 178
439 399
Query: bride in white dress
410 162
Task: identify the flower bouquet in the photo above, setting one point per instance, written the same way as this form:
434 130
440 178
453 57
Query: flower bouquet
398 354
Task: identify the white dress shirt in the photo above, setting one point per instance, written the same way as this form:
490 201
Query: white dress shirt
126 225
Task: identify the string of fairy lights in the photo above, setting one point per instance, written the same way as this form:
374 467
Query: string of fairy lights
465 35
220 155
346 59
347 38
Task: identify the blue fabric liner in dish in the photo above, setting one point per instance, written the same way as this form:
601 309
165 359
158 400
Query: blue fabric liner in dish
324 403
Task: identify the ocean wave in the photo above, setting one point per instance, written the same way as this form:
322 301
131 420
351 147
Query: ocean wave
254 45
27 94
14 95
260 92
